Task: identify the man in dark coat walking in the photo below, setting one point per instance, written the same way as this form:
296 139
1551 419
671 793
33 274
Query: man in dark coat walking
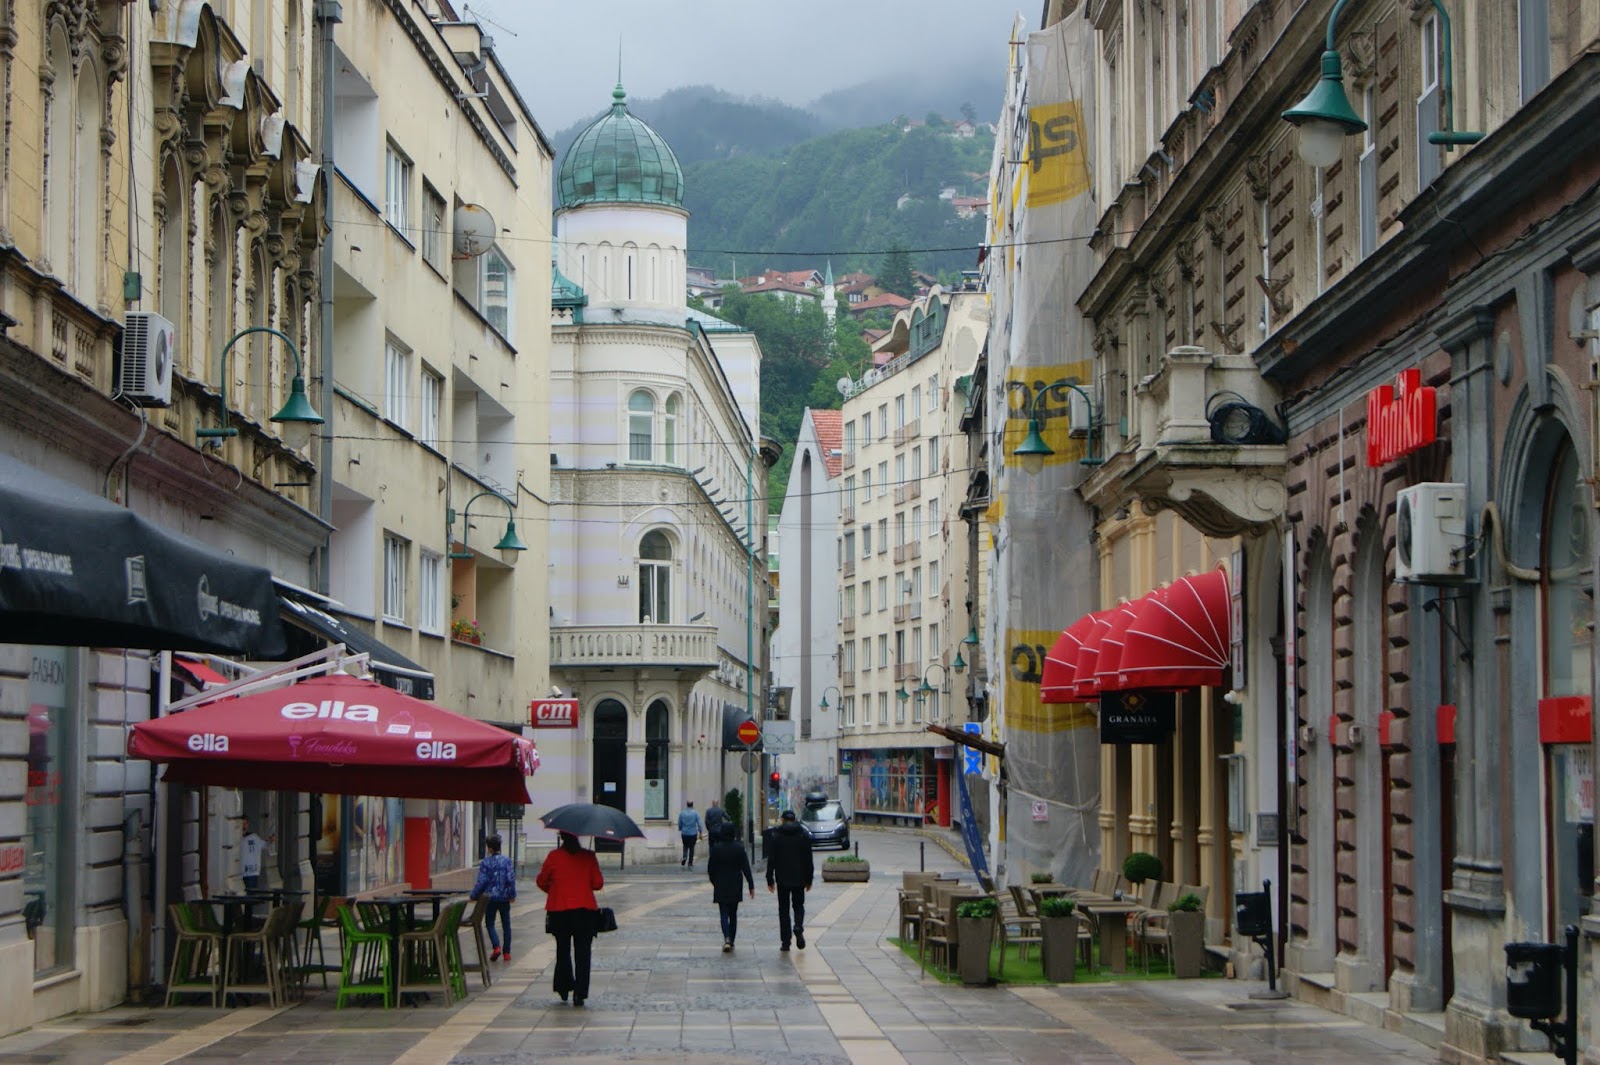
726 865
789 873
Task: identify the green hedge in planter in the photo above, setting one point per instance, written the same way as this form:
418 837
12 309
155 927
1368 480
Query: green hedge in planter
1141 866
978 908
843 858
1056 906
1043 878
1189 903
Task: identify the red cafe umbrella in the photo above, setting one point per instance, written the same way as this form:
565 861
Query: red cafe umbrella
343 735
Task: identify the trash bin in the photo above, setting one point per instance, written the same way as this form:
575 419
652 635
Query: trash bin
1533 980
1252 913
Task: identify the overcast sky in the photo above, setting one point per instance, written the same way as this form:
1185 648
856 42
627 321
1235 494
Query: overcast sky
563 55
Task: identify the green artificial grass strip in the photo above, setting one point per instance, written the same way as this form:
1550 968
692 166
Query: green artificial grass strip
1031 971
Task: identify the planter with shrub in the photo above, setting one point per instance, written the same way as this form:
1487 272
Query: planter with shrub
1042 878
974 937
1141 866
1058 934
845 868
1186 935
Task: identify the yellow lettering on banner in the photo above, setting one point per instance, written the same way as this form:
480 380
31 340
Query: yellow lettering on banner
1024 666
1024 385
1058 168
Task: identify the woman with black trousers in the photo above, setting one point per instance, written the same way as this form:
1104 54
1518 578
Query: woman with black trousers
570 876
726 864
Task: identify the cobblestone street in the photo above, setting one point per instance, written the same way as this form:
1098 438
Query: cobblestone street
664 991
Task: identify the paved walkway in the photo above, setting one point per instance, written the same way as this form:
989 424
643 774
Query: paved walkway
664 991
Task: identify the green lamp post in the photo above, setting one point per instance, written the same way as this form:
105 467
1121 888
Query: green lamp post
1033 450
509 542
830 688
297 416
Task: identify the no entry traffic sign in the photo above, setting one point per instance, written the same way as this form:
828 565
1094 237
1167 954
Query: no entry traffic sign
749 733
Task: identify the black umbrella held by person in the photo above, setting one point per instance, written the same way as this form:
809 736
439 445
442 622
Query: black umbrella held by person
592 819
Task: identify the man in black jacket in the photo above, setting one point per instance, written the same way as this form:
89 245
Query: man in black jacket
789 873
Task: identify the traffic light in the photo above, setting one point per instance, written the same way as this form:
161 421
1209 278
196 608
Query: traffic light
772 786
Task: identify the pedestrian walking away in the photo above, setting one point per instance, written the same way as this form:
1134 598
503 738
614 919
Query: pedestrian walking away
497 882
726 864
569 877
251 849
789 873
689 829
716 817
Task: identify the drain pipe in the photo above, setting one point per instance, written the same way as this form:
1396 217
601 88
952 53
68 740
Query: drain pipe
329 14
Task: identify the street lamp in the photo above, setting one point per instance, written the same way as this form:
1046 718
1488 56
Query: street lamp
925 689
509 542
830 688
1325 117
297 416
1033 450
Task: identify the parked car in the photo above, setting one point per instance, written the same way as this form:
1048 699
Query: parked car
825 822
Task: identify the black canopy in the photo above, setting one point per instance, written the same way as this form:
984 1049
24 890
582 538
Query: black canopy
389 667
80 571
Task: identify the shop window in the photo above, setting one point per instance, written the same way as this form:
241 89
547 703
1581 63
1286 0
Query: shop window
656 746
49 825
376 856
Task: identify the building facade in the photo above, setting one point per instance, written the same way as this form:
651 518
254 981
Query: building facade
902 562
806 641
658 573
1361 366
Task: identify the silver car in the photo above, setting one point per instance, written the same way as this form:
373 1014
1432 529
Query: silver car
826 824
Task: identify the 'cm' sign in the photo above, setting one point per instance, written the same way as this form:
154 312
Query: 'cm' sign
553 713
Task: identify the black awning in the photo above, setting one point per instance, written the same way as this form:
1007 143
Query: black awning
391 668
733 716
79 571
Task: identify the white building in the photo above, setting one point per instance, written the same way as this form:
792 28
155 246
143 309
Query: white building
658 578
903 561
805 645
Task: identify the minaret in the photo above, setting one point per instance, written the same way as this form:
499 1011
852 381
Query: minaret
829 304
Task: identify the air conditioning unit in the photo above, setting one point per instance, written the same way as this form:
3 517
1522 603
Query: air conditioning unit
1431 534
149 346
1080 416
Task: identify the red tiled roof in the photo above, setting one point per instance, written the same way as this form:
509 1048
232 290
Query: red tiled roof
829 425
872 336
887 299
773 284
969 201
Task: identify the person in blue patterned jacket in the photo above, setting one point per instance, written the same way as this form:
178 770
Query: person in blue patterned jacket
497 880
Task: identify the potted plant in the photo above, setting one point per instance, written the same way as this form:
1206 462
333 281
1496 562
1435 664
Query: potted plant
1042 878
1141 866
466 631
1058 935
1186 933
845 867
974 937
733 805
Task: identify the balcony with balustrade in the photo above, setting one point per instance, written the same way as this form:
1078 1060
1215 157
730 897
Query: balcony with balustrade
847 514
848 460
908 552
909 431
676 648
909 490
847 624
847 679
848 567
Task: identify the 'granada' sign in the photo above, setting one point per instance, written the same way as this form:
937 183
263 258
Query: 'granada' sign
1401 418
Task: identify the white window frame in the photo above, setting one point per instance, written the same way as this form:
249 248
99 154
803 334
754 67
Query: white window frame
883 421
396 382
637 417
397 188
430 407
430 592
396 551
497 299
933 393
933 517
669 430
883 479
933 591
1367 173
435 228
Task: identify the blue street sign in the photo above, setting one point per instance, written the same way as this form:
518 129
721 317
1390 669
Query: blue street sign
973 759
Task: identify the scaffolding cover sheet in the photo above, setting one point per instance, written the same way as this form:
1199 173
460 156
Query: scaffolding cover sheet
1045 567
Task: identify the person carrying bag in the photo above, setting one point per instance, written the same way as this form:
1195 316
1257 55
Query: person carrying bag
569 877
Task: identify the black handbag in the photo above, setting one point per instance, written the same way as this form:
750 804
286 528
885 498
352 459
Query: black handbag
605 919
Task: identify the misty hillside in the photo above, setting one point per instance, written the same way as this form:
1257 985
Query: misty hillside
701 122
945 91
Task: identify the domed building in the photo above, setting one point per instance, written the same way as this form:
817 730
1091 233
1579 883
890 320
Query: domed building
658 574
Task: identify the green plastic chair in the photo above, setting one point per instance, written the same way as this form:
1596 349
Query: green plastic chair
364 967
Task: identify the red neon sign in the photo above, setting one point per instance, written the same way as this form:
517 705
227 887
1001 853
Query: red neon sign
1401 418
553 713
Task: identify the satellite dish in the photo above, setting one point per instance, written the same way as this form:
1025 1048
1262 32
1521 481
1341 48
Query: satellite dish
474 231
845 387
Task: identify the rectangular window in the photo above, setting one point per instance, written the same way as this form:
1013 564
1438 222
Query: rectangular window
849 545
916 593
883 479
1533 45
848 607
1367 171
1429 156
933 517
866 487
933 454
916 464
866 655
899 530
50 825
850 710
883 536
430 400
883 649
933 629
916 523
396 383
435 232
866 540
866 427
933 589
394 579
899 471
430 592
883 420
883 708
883 594
397 189
933 393
899 412
849 491
849 437
916 400
496 287
849 651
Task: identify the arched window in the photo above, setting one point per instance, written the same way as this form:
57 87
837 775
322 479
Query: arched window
669 432
86 229
58 155
655 578
610 781
174 240
641 427
657 745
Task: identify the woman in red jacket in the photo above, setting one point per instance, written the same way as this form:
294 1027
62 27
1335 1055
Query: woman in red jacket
570 876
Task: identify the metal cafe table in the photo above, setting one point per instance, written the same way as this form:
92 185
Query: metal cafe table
1112 919
433 895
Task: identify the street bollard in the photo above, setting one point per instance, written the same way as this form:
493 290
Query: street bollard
858 848
922 856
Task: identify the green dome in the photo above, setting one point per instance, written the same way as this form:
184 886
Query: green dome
619 159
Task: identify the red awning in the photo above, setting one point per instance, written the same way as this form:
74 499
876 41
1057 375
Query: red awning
1108 666
343 735
1086 681
203 674
1057 684
1181 637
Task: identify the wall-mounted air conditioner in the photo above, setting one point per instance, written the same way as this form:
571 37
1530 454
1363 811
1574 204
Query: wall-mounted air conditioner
1431 533
1080 416
149 346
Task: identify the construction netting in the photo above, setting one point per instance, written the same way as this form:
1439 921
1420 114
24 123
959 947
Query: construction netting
1044 571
